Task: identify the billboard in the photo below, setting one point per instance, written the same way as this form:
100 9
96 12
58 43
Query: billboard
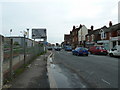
39 33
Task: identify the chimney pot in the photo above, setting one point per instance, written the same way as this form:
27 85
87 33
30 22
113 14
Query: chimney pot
110 24
73 27
80 25
92 27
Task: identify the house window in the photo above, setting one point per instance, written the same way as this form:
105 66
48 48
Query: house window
88 38
92 37
114 43
103 35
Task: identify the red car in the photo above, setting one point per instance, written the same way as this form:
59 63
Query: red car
98 50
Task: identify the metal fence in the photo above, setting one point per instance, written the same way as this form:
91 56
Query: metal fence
16 55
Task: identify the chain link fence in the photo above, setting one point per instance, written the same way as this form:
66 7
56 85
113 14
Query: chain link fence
19 51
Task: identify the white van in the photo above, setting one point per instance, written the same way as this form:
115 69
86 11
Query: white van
115 51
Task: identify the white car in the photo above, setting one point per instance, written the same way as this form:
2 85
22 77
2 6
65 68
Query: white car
115 51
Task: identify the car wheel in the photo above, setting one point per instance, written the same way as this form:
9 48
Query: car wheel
77 54
111 54
91 53
86 54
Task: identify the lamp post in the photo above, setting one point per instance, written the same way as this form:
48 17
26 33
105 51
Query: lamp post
27 32
10 32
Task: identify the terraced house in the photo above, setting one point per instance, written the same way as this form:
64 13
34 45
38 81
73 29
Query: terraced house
106 36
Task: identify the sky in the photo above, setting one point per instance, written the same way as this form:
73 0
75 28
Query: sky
57 16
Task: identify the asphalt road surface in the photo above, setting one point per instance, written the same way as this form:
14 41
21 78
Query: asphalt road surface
94 71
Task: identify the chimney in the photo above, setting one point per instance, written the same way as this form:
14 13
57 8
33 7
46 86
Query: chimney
92 27
73 27
80 26
110 24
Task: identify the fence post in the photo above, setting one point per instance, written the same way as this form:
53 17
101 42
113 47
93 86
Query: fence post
11 57
24 49
1 61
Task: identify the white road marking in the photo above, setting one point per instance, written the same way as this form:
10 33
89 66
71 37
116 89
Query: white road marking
68 52
53 56
50 60
105 81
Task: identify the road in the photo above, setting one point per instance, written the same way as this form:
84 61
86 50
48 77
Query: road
94 71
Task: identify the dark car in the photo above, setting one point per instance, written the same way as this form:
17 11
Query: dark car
98 50
49 48
57 48
80 51
68 48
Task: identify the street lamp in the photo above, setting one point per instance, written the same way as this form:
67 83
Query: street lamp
10 32
27 32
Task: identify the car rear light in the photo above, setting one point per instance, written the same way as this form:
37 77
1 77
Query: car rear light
80 51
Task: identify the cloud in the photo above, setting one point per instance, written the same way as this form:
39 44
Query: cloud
58 16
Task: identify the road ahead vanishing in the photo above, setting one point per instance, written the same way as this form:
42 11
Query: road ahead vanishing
94 71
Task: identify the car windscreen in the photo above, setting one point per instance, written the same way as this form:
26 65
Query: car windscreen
82 49
100 48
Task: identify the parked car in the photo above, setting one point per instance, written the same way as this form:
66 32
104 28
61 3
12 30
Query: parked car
68 48
80 51
98 50
115 51
49 48
57 48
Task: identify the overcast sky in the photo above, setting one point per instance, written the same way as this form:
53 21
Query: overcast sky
57 16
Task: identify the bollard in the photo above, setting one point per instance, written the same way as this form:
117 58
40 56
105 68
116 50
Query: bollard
1 61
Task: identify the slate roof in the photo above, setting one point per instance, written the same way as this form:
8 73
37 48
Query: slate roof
106 29
114 28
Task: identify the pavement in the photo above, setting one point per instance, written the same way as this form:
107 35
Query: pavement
35 76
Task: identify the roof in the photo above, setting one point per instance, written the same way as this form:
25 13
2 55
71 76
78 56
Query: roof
96 31
93 32
114 27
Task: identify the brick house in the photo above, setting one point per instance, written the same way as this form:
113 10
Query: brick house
114 33
110 36
94 37
67 39
91 37
74 37
106 36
